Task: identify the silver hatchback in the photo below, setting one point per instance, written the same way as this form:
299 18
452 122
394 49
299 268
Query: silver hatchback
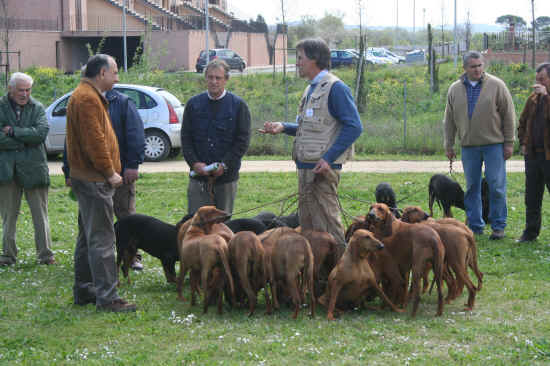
160 111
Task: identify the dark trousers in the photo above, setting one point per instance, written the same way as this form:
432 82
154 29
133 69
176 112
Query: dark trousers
537 175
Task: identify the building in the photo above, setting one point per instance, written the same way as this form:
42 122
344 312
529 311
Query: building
59 33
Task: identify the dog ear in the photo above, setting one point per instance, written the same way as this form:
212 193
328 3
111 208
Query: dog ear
387 229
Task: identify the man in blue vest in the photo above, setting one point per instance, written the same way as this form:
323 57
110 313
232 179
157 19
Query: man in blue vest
215 129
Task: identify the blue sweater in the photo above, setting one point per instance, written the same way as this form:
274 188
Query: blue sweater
342 107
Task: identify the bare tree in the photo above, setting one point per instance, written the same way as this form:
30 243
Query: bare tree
360 89
5 22
534 26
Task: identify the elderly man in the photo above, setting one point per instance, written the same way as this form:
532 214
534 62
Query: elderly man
326 127
534 139
215 129
23 167
481 111
93 155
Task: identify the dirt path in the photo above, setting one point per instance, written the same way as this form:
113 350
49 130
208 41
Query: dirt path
288 166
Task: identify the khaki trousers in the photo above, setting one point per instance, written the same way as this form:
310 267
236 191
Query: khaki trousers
10 205
318 206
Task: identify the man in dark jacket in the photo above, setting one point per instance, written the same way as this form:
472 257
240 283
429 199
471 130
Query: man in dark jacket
215 129
23 167
128 127
534 138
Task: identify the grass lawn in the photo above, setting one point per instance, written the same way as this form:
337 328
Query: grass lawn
39 325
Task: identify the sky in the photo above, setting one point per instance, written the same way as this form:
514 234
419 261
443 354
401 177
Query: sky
384 13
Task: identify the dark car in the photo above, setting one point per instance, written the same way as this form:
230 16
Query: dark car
342 58
231 57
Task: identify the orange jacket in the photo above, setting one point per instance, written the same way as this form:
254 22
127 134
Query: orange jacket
92 147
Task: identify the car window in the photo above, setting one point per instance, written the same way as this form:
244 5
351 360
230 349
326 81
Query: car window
170 98
142 100
334 54
229 54
61 108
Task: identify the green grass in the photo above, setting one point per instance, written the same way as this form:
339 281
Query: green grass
39 325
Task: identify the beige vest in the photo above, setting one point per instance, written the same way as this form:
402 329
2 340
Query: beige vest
317 129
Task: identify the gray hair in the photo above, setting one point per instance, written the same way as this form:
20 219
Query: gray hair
545 66
470 55
218 64
19 76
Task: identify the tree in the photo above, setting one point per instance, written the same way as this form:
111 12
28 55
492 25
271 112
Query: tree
511 19
307 28
332 29
542 22
5 37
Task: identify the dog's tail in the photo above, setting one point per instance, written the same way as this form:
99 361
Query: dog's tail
308 272
222 251
438 267
472 261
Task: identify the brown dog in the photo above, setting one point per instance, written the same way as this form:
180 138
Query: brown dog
325 256
461 250
201 251
248 266
352 277
290 260
411 247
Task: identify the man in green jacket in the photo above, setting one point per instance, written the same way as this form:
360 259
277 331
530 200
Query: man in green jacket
23 167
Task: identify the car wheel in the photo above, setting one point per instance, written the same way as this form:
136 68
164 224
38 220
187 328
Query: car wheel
157 146
241 67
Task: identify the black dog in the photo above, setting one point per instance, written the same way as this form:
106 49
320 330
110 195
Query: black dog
446 192
153 236
271 220
253 225
384 194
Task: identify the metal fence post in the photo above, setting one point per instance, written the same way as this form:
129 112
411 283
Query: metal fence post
405 114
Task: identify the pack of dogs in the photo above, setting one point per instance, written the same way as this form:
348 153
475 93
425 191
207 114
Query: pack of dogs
390 253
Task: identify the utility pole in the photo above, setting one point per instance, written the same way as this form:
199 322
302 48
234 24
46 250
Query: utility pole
207 31
456 40
396 23
124 46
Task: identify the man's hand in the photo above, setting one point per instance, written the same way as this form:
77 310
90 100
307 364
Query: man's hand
199 168
130 176
218 172
272 128
508 150
451 154
321 167
115 180
7 130
540 89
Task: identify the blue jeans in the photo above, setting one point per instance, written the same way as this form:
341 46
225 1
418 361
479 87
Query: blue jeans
495 173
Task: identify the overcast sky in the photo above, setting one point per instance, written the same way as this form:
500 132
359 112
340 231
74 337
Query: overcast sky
384 12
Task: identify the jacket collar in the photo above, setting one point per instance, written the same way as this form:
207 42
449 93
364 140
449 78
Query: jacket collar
465 80
87 83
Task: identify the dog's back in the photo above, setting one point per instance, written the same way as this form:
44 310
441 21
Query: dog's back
446 192
254 225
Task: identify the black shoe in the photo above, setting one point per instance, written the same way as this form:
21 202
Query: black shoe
525 239
117 306
497 235
84 301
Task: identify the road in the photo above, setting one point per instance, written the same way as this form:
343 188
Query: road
393 166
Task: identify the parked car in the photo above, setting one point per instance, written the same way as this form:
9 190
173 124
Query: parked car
378 56
342 58
161 112
231 57
415 56
392 56
370 59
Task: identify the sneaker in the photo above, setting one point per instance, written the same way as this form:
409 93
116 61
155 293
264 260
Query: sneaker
497 235
117 306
